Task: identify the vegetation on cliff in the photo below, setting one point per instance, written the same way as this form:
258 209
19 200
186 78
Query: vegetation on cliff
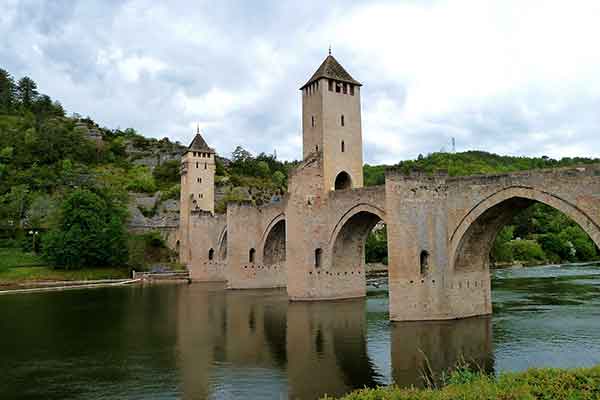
464 384
65 181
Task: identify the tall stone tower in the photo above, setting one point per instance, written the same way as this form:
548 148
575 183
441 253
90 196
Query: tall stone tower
331 124
197 188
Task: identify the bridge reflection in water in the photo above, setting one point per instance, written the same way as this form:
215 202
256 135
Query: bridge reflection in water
255 344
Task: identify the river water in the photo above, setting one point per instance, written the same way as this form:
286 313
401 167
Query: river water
198 341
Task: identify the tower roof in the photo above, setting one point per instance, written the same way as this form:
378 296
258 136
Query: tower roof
331 68
199 144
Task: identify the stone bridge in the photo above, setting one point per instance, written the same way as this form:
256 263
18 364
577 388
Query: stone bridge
440 229
440 233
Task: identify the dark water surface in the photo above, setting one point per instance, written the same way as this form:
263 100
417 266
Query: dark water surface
199 341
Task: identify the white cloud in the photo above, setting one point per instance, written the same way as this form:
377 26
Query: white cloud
506 76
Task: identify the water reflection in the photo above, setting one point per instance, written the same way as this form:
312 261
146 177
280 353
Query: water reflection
425 351
200 341
327 349
235 343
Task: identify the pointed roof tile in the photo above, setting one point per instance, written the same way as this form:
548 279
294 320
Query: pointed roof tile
199 144
331 68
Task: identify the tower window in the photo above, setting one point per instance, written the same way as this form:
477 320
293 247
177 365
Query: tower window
338 87
343 146
330 85
317 148
211 254
205 166
196 164
342 120
345 88
318 256
198 180
424 261
312 121
351 90
251 254
201 196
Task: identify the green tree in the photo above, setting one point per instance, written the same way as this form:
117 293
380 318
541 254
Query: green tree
27 92
167 173
240 155
90 232
376 246
502 250
263 169
8 91
527 250
279 178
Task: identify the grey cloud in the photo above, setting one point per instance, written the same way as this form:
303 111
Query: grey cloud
233 46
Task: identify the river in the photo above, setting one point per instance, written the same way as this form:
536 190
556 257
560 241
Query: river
173 341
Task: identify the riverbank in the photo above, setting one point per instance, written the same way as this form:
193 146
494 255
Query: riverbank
20 270
582 383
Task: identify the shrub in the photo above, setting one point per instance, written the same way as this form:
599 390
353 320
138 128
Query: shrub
141 180
167 173
527 250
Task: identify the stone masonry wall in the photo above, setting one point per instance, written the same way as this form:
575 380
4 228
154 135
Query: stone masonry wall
448 216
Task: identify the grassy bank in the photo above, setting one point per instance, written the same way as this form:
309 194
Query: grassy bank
557 384
18 267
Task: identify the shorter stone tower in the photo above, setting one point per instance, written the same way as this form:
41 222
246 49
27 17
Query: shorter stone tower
197 188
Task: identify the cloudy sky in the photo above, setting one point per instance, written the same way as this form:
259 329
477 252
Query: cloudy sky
512 77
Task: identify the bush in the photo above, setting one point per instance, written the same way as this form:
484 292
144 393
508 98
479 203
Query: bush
556 384
90 232
167 173
527 250
174 192
141 180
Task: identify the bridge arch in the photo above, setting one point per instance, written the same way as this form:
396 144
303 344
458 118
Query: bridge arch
347 241
274 241
473 238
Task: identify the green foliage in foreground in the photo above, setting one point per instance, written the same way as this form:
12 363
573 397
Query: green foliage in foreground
532 384
90 231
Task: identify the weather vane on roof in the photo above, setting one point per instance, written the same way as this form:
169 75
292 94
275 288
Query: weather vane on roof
329 48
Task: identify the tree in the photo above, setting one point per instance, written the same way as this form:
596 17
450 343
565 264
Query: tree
27 92
90 232
263 169
240 155
279 178
7 92
42 106
167 173
58 109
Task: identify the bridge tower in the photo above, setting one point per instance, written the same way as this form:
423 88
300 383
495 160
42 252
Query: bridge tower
197 188
331 124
